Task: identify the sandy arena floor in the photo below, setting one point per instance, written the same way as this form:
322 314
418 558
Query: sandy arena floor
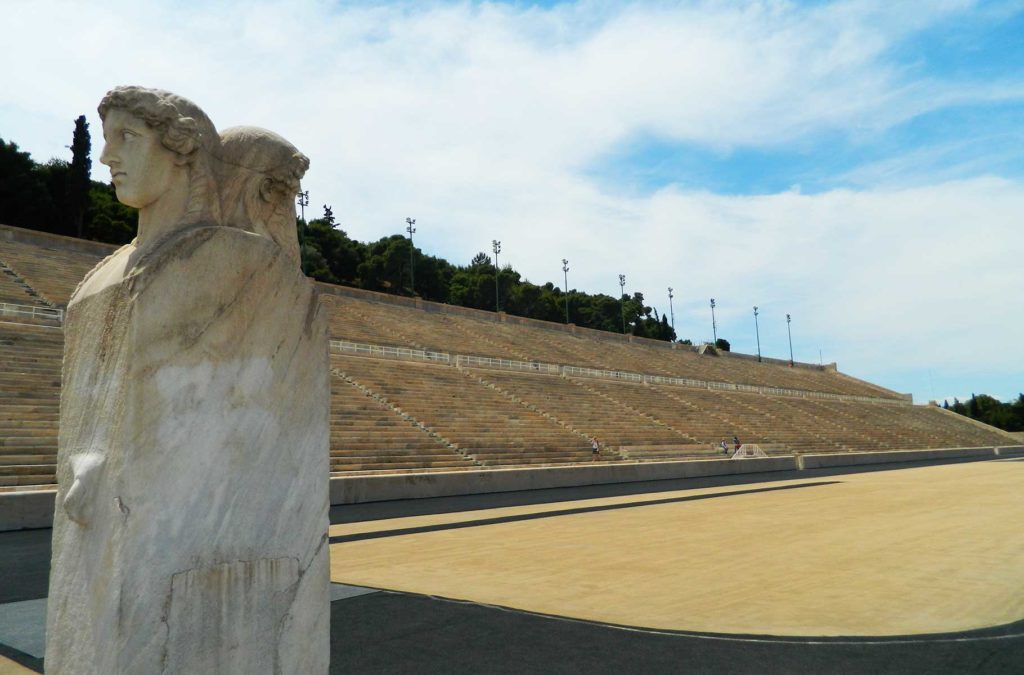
901 552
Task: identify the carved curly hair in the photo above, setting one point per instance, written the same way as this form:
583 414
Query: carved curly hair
184 129
261 174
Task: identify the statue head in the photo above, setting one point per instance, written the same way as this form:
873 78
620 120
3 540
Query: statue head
159 146
260 176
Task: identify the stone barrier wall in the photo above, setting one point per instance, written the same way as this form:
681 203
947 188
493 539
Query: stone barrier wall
28 510
824 461
55 241
359 489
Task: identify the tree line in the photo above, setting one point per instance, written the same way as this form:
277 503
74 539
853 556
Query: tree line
59 196
394 265
984 408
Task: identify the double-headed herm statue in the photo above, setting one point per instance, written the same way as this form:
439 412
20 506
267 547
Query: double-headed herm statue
190 533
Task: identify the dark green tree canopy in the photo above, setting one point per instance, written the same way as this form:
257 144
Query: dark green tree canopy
990 410
49 197
78 185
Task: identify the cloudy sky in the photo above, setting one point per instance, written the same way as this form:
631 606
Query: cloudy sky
859 165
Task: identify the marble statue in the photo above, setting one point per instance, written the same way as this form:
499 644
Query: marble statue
190 529
266 173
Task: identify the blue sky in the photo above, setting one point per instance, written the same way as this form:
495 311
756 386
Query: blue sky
858 164
951 143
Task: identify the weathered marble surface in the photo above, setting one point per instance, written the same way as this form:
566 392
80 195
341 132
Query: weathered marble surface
190 533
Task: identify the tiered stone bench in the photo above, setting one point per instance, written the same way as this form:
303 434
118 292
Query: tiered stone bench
29 403
530 393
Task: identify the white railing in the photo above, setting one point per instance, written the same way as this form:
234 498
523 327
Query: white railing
506 364
677 381
31 311
380 351
577 371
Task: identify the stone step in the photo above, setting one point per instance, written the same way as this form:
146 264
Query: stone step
19 458
27 441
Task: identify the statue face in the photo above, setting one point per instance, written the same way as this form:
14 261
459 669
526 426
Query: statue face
141 169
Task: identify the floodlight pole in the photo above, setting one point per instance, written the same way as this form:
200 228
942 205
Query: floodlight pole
758 331
565 272
303 203
496 247
412 251
714 328
790 333
622 300
671 312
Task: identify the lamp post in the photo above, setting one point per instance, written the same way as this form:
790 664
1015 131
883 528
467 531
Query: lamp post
565 272
496 247
714 329
303 203
409 222
790 333
758 332
671 312
622 300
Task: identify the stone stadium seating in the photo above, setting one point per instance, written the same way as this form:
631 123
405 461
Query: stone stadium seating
368 436
481 422
402 415
14 291
29 403
482 334
51 272
705 427
586 410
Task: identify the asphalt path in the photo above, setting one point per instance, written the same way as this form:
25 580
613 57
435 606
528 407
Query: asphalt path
399 633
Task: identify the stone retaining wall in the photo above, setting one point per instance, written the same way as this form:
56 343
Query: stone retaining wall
34 509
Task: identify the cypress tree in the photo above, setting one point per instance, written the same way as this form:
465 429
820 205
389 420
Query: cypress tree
78 181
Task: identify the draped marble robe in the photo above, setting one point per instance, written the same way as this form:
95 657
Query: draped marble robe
196 391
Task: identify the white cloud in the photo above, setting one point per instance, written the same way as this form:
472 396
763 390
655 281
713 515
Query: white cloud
477 120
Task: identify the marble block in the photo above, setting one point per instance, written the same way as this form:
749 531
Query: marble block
190 532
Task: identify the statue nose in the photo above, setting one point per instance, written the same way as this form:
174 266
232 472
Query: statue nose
107 156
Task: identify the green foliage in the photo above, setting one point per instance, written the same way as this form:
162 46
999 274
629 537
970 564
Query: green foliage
107 219
985 408
386 267
643 321
49 198
25 199
78 184
473 286
340 255
722 344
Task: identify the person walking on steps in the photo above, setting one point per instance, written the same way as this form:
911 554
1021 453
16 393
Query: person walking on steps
595 449
736 443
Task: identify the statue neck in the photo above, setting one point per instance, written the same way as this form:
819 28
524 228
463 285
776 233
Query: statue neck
163 216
